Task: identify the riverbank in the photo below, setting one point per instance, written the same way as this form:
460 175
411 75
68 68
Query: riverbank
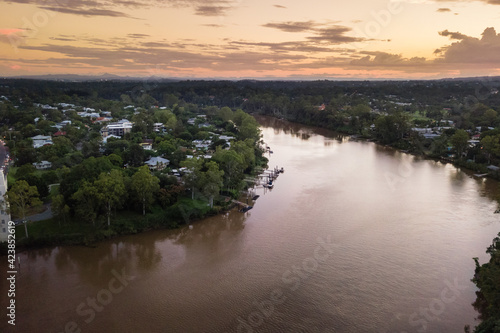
405 146
71 231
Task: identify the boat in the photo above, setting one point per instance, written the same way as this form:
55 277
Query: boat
246 209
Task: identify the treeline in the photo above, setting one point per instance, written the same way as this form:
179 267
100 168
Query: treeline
487 279
98 181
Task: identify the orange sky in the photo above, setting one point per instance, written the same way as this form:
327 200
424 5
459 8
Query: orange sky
315 39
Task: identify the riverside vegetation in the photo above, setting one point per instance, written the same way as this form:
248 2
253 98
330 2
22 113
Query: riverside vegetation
204 130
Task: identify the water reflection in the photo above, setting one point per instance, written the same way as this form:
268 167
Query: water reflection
300 131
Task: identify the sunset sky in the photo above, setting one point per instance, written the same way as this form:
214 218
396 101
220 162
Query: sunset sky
315 39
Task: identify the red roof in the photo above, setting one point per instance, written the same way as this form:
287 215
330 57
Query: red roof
59 133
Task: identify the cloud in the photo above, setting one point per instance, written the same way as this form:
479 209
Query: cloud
138 36
490 2
279 6
292 26
14 37
453 35
443 10
211 10
333 34
471 50
87 12
10 31
213 25
118 8
384 59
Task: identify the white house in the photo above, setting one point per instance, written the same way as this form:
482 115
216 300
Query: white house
4 214
157 127
110 136
120 128
43 165
157 163
41 140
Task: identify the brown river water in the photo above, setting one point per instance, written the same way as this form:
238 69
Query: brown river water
354 237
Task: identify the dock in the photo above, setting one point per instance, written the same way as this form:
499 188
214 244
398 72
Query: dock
479 175
243 207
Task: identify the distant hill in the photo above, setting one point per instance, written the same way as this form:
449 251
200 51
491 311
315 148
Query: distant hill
80 78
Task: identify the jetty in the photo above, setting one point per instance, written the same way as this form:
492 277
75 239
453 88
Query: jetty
242 207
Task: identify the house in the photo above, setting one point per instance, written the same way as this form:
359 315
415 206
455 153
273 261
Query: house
225 137
59 133
43 165
147 144
111 136
41 140
120 128
157 127
103 119
4 211
157 163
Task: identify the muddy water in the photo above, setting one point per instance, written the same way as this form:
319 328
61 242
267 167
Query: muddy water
354 237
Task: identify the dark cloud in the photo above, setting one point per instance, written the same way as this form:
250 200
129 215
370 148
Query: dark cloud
321 33
87 12
279 6
211 10
453 35
334 35
291 26
137 58
116 8
213 25
384 59
443 10
138 36
299 46
63 39
471 50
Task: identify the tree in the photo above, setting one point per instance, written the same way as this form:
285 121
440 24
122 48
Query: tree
59 207
145 185
192 178
232 164
486 278
225 114
87 198
490 145
135 155
459 141
212 181
111 190
21 197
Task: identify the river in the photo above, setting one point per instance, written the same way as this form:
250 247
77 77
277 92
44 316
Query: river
354 237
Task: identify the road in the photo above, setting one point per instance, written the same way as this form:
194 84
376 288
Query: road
3 155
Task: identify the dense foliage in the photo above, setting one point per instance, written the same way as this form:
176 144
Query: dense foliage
487 279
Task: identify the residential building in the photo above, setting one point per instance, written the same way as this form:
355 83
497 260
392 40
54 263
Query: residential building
43 165
60 133
41 140
110 136
4 212
157 127
147 144
157 163
120 128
